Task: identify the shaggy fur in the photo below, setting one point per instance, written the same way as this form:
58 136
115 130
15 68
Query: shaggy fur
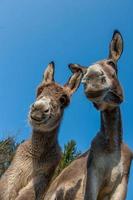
103 173
35 161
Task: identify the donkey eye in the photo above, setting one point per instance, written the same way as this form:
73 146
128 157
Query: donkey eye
64 100
112 64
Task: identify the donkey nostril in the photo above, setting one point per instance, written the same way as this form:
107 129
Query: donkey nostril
101 73
85 79
46 111
103 79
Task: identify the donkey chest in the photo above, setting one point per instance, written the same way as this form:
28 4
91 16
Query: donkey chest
110 166
32 168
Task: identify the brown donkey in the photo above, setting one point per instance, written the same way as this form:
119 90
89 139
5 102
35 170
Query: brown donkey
36 159
101 173
109 162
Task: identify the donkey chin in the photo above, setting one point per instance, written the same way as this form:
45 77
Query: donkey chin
105 99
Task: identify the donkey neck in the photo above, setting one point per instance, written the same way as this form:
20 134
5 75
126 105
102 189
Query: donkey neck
111 127
42 142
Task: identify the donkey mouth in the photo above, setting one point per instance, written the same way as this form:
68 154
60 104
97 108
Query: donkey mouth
106 95
96 94
36 119
39 120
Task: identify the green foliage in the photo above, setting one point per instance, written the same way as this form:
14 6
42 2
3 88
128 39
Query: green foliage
8 148
7 151
70 153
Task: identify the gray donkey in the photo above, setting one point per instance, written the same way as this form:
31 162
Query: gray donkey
101 173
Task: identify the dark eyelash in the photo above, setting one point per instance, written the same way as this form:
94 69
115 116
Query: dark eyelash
64 100
112 64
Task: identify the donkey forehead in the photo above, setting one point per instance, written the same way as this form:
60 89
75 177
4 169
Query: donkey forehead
101 67
53 90
95 67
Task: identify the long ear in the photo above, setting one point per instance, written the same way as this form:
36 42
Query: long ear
76 68
48 75
74 82
116 46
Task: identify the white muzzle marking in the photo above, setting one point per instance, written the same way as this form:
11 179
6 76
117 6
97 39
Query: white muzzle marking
43 102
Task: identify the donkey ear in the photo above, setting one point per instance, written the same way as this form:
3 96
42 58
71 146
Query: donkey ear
116 46
77 68
48 75
74 82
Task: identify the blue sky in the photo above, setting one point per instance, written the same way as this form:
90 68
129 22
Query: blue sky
32 33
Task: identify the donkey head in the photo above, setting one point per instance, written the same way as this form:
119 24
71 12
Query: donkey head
100 80
46 112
